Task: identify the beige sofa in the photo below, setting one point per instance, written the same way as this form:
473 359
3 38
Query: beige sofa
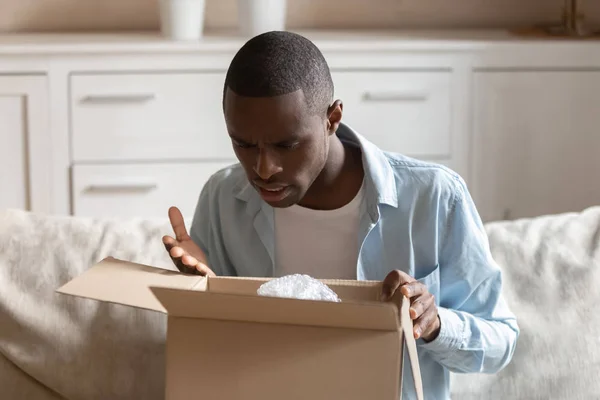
59 347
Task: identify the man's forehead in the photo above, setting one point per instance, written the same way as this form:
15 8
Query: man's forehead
285 112
293 102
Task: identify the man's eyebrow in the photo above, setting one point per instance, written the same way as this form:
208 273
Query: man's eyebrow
287 141
237 139
292 139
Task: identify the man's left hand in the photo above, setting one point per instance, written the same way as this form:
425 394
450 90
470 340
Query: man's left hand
423 310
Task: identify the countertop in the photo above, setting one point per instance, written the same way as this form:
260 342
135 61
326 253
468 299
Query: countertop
339 41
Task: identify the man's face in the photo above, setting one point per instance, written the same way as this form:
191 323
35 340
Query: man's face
280 144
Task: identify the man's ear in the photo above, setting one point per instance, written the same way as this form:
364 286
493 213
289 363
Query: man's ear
334 116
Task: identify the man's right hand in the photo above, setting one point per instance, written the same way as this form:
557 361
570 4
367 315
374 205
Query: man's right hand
186 255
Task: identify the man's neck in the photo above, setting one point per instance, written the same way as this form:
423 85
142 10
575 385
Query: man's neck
339 181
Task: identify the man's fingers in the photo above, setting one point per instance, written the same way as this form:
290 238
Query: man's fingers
420 304
392 282
176 252
184 262
178 224
414 288
423 324
182 259
168 239
204 270
191 262
169 242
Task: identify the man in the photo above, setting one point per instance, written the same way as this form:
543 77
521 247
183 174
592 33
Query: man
312 196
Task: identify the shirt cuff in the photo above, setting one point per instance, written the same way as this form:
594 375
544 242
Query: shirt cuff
451 336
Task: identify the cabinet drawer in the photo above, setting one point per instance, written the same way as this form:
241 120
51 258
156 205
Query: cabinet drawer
404 112
140 117
140 190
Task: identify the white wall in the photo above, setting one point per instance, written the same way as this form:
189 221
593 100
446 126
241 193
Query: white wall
53 15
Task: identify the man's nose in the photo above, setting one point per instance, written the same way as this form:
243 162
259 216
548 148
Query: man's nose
267 164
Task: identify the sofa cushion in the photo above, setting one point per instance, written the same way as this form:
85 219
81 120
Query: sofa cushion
17 384
79 348
551 267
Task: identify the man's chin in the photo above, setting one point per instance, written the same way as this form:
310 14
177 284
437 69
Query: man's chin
284 203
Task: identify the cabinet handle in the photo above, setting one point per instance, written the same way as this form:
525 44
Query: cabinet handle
121 187
395 96
118 98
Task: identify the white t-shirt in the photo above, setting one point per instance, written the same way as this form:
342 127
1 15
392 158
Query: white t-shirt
320 243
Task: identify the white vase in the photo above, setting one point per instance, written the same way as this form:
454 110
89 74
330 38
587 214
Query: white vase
182 19
259 16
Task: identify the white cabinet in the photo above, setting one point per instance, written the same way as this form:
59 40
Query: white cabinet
536 147
133 117
144 116
139 190
24 143
142 142
401 111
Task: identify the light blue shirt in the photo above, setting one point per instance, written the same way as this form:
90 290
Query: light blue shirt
419 218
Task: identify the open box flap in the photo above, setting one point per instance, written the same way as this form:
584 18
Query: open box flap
411 344
122 282
254 308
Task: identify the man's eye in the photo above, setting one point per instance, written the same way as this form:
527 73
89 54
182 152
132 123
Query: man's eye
242 145
288 146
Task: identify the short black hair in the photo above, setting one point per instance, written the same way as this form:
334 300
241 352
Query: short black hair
280 62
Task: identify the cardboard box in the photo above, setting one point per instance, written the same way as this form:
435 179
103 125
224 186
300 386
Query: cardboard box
225 342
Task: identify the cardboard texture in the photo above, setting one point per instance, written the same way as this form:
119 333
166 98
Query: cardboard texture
226 342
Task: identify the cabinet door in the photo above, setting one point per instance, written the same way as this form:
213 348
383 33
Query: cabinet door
127 117
399 111
536 142
24 144
139 190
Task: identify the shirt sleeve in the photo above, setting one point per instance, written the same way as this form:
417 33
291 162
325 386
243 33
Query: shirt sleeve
201 229
478 330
